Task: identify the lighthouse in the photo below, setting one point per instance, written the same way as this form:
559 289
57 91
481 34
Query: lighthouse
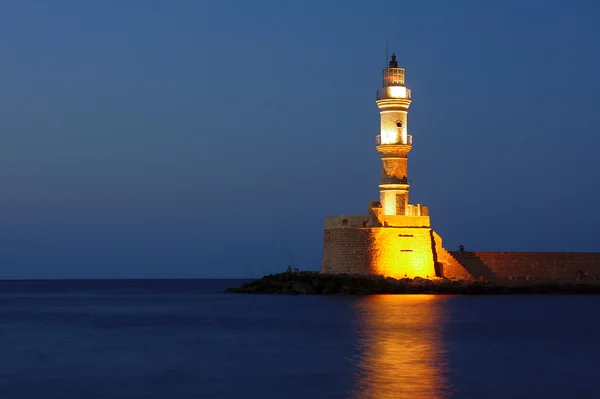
393 141
394 238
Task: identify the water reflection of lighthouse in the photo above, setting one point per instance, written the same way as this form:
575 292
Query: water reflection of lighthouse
400 351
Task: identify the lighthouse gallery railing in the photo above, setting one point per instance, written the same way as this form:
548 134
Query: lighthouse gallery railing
408 140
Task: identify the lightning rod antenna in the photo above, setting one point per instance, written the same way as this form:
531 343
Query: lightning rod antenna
386 54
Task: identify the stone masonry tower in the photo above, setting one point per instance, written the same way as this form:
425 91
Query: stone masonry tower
394 238
394 143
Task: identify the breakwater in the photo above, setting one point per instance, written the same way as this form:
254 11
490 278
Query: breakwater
354 284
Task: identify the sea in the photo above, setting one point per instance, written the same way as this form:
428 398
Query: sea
189 339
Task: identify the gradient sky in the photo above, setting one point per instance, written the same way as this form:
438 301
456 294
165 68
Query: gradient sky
211 138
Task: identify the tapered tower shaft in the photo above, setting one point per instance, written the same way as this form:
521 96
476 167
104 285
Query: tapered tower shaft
394 142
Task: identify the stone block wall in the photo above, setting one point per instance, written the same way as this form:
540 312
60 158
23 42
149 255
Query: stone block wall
417 251
402 252
405 221
346 251
447 265
393 251
542 266
347 221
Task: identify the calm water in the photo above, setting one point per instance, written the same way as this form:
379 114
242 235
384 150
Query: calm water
187 339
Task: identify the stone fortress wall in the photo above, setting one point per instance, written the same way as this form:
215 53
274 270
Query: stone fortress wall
346 250
532 266
403 252
397 246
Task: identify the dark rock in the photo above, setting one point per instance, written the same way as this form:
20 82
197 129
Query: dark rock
354 284
302 287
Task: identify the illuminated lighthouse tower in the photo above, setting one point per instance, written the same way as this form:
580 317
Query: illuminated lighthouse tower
394 238
394 143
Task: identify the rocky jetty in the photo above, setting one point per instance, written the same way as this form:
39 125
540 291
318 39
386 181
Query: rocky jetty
349 284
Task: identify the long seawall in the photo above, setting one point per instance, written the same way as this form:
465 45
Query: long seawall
531 266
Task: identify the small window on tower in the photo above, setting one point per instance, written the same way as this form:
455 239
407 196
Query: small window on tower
399 124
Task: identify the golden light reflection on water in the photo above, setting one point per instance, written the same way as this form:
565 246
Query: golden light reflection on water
400 352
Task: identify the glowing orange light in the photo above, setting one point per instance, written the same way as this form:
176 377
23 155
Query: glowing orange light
401 252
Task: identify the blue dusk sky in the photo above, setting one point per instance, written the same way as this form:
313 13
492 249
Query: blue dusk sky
189 138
